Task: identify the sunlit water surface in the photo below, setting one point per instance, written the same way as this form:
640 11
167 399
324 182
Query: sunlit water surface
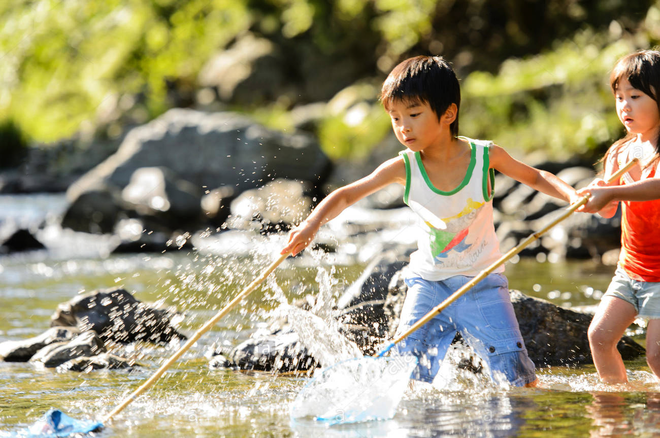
192 400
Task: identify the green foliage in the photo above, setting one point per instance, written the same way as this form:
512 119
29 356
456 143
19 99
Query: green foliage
354 134
66 65
559 101
62 60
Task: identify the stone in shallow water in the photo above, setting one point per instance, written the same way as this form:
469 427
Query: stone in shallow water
86 345
102 361
23 350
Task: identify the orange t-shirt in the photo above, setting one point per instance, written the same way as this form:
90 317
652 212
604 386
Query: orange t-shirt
640 236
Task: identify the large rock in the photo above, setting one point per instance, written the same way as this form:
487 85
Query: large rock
23 350
156 191
103 361
117 316
21 240
280 351
558 336
369 312
361 308
204 150
87 344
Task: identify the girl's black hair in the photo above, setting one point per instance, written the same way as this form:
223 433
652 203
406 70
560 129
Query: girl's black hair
428 79
642 70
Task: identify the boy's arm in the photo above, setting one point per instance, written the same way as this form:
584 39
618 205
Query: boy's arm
540 180
389 172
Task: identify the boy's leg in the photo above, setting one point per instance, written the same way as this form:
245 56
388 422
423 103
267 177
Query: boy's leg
430 342
488 323
653 346
612 318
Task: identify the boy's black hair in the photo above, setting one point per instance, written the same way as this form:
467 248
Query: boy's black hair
428 79
642 70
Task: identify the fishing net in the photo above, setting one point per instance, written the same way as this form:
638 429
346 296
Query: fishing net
355 390
56 423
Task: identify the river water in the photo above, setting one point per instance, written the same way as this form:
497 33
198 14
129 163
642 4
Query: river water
192 400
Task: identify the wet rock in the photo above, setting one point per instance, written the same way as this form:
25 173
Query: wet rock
116 316
21 240
85 345
218 361
558 336
542 204
104 361
94 211
361 308
553 335
281 352
369 311
23 350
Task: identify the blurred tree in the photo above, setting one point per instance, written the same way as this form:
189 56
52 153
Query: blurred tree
72 66
13 147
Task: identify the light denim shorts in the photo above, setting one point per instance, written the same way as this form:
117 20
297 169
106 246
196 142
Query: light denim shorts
483 315
644 296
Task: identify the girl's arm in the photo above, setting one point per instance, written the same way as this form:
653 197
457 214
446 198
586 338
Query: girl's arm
598 203
389 172
603 197
540 180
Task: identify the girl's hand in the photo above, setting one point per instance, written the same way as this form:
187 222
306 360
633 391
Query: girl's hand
599 197
299 238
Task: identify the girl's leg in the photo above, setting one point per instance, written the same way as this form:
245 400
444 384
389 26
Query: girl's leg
653 346
612 318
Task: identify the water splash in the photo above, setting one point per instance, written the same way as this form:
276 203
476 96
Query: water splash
322 338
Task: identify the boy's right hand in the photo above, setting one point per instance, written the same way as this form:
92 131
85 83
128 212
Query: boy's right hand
299 238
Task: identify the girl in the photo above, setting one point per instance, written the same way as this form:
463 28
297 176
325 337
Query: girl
635 288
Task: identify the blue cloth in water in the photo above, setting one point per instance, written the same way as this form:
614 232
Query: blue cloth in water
56 423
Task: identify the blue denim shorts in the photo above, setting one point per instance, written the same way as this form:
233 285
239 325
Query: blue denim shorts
644 296
483 315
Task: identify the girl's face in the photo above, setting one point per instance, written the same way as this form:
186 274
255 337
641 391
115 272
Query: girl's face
637 111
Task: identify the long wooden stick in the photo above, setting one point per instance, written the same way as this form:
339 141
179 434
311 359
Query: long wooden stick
483 274
198 334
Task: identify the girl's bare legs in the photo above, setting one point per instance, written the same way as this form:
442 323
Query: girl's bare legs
653 346
612 318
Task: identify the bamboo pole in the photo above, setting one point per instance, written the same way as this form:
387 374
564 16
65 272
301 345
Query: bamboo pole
506 257
198 334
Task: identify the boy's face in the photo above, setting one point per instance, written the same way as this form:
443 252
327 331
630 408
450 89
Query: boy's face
414 123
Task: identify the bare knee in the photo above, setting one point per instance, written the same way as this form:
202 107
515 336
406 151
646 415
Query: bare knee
653 362
600 339
653 357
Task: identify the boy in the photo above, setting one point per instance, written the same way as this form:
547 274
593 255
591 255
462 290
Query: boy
448 181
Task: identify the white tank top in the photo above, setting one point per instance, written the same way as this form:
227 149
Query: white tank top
457 234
